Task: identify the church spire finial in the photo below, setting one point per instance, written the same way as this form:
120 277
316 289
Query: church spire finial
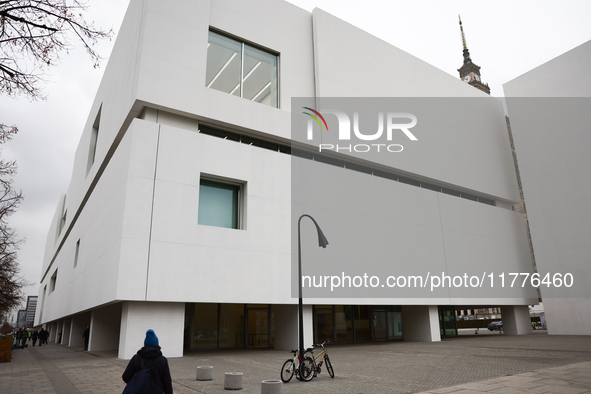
466 52
462 30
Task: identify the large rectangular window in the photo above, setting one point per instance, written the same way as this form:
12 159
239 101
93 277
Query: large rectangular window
242 70
219 204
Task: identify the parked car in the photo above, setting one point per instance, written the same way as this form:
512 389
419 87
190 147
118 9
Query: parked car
496 325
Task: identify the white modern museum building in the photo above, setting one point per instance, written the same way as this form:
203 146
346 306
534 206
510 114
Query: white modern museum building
180 215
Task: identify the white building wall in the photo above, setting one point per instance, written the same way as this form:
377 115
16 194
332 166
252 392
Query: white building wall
352 63
554 163
93 281
195 257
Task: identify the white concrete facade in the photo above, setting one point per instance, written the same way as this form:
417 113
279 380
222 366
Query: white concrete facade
552 146
130 253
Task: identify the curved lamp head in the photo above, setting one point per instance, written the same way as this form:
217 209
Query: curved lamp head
322 241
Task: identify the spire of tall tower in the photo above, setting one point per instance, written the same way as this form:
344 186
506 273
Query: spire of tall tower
470 72
466 52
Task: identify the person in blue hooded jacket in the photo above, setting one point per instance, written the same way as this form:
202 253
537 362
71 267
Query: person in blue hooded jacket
150 354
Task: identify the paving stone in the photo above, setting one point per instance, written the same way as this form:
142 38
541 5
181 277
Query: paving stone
483 386
510 390
534 363
563 390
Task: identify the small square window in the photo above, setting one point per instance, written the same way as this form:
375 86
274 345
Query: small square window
220 203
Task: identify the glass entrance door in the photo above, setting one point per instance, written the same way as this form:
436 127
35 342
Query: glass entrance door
380 326
447 321
394 325
258 328
323 321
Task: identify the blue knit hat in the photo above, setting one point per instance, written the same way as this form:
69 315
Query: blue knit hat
151 339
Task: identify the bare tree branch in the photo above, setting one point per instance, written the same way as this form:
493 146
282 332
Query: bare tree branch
36 32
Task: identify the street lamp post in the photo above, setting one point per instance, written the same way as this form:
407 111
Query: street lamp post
322 242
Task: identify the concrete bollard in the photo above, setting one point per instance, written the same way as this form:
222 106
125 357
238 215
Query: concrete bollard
205 372
233 381
271 387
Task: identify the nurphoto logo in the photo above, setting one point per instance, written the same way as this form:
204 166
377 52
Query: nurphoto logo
394 124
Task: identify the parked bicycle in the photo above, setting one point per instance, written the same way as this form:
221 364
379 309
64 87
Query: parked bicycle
310 370
293 366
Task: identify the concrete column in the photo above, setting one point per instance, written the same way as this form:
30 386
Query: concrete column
167 319
52 331
66 331
58 328
55 333
420 323
106 325
79 324
516 320
286 327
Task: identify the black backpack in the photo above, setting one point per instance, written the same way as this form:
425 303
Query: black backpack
140 381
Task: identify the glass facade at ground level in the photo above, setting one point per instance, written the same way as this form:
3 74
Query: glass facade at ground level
216 326
357 323
213 326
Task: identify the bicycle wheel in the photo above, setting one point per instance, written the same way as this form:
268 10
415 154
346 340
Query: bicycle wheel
287 371
307 368
329 367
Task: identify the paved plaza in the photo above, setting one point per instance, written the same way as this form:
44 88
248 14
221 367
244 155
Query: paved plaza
495 363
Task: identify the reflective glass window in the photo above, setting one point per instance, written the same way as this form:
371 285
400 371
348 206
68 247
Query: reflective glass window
218 204
224 64
241 70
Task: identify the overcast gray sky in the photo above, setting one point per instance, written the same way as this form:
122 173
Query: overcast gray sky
505 38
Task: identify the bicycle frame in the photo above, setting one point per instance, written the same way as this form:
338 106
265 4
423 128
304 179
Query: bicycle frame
322 354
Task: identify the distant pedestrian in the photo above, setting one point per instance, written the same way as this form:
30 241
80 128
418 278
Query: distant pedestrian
35 336
150 357
60 338
24 338
42 336
86 337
